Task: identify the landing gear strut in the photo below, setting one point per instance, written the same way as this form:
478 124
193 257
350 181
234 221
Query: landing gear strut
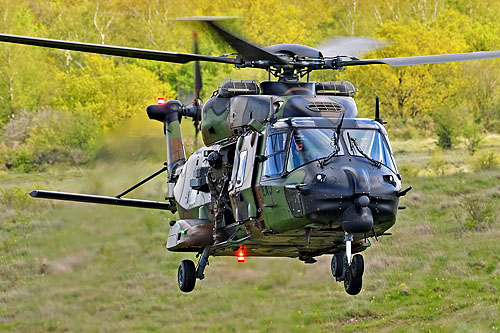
347 269
188 273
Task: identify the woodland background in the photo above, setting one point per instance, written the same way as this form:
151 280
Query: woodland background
57 106
76 123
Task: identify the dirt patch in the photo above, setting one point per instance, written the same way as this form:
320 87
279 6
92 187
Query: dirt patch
416 196
357 319
64 265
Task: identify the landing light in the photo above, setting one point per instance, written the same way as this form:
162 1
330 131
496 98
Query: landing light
161 100
320 178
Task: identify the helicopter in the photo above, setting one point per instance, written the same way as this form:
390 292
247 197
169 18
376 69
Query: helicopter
287 169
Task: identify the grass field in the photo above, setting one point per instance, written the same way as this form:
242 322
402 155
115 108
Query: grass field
79 267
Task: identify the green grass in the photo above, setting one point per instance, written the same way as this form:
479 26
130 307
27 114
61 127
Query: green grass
78 267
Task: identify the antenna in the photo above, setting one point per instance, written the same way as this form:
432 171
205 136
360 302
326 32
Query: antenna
377 112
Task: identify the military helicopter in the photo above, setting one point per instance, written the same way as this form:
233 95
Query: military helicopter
288 169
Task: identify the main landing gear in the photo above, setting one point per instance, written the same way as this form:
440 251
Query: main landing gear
188 273
348 270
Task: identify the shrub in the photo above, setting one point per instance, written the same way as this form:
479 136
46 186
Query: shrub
16 131
477 214
437 165
472 136
49 137
447 128
15 197
407 170
486 160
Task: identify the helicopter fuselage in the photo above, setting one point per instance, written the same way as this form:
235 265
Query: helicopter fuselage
295 183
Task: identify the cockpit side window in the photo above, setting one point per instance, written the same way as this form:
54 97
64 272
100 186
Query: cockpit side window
275 154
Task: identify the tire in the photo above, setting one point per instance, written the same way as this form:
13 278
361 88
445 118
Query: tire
358 266
352 284
338 264
186 276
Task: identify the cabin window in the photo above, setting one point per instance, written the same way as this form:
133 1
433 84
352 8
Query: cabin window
275 154
312 144
241 169
371 143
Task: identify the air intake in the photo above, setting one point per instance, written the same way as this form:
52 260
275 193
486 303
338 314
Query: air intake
319 106
233 87
335 88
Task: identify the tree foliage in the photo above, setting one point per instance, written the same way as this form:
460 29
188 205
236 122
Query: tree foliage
43 91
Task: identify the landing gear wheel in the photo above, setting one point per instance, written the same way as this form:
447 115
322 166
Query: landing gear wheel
357 266
186 276
352 284
338 264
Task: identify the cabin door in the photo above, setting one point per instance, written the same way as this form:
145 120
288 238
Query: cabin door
240 190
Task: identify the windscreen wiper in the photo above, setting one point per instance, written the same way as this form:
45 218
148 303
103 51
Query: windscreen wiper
354 144
322 162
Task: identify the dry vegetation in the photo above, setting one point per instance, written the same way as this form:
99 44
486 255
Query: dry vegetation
82 267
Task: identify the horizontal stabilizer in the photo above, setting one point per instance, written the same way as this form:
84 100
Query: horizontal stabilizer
98 199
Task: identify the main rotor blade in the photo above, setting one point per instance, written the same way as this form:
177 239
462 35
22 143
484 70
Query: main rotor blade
127 52
198 83
425 60
352 46
246 50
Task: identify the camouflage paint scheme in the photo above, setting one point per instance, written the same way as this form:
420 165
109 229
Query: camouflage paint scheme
175 146
272 216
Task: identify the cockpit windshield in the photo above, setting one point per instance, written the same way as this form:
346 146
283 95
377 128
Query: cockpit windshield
306 145
361 142
311 144
287 150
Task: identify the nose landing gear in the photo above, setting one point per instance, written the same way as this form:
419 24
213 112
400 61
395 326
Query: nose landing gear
348 270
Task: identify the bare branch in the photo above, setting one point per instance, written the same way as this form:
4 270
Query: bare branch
100 29
378 16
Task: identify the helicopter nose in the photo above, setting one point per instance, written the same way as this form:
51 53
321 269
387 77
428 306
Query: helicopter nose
362 201
352 197
358 217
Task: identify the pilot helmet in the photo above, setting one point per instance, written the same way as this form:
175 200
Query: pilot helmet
298 137
215 159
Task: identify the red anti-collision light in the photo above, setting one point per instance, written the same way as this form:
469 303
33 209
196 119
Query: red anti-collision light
240 256
161 100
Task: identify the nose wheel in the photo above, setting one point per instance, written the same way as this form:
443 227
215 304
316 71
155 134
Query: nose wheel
338 265
353 281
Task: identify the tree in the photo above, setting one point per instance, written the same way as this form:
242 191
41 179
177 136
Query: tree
411 91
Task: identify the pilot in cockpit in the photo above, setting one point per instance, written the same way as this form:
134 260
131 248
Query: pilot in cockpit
299 153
